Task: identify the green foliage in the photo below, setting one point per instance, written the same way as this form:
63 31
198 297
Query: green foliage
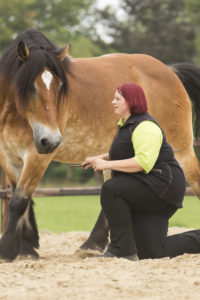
192 8
15 16
156 27
61 21
83 46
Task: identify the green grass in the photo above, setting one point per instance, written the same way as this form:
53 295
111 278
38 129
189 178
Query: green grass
80 213
69 213
189 215
62 214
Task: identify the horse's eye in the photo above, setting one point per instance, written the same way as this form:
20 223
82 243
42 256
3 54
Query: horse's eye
32 89
60 87
60 90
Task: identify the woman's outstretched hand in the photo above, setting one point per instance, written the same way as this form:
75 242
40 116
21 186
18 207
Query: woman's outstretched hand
95 162
99 164
88 162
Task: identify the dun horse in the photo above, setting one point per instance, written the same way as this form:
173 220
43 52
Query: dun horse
54 107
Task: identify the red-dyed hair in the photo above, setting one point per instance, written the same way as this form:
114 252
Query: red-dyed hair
134 96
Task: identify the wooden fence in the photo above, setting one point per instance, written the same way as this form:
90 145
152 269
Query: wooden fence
5 195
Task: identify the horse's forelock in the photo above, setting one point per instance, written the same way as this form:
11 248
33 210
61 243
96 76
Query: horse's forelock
26 75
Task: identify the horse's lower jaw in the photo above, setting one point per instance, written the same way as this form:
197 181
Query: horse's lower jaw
46 151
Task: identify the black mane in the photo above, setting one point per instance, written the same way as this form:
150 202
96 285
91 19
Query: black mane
22 74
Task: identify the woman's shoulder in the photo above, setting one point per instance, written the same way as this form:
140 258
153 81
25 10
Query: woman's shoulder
148 126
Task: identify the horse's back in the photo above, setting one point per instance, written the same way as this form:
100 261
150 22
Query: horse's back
168 101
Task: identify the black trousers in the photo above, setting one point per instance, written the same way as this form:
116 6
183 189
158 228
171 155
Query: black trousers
138 221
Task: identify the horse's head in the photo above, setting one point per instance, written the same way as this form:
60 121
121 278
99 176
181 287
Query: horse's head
41 84
41 111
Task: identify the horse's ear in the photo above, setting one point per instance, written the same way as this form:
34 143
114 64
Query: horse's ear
23 51
63 52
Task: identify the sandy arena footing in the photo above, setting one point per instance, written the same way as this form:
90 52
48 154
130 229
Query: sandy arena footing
61 274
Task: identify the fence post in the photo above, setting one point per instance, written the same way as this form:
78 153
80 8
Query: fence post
4 202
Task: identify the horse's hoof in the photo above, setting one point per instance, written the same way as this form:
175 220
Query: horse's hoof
90 245
29 252
8 255
82 253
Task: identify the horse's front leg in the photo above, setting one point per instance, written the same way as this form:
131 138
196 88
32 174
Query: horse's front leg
20 210
98 238
28 232
27 228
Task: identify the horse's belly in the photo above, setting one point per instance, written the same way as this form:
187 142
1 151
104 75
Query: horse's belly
77 145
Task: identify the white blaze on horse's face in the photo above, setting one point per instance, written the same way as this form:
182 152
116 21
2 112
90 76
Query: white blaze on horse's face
47 79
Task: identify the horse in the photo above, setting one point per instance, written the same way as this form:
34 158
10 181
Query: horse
55 107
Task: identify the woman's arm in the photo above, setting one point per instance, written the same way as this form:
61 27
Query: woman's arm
125 165
147 140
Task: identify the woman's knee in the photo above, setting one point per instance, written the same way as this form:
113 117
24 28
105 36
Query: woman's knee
107 187
107 192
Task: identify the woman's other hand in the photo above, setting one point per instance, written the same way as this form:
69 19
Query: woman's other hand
95 162
99 164
88 162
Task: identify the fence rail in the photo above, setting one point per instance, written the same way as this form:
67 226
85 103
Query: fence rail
44 192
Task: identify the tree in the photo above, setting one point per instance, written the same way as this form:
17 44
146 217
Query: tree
193 8
160 28
61 21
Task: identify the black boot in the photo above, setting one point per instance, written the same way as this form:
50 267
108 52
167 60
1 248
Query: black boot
107 254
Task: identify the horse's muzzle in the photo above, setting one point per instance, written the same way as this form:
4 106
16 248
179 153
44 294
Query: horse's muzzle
47 146
46 140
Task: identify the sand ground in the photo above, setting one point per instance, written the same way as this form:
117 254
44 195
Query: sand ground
59 274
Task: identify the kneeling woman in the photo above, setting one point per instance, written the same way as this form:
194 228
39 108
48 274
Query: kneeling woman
147 184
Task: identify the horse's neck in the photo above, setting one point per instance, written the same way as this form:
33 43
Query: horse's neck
90 95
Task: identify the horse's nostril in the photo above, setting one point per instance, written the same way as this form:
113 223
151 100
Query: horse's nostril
48 144
44 142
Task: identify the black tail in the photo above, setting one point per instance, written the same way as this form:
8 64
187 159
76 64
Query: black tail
190 78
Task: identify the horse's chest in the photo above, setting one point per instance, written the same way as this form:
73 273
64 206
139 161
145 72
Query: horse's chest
10 149
11 154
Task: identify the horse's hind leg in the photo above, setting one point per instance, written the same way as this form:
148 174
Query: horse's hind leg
98 238
28 232
191 167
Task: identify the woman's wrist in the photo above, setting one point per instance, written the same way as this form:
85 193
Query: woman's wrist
108 164
104 156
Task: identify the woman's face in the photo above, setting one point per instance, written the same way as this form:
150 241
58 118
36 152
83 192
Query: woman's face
120 105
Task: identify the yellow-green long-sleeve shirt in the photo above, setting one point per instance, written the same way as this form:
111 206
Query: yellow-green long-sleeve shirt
147 140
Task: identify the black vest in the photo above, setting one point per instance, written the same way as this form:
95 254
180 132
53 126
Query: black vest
166 178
